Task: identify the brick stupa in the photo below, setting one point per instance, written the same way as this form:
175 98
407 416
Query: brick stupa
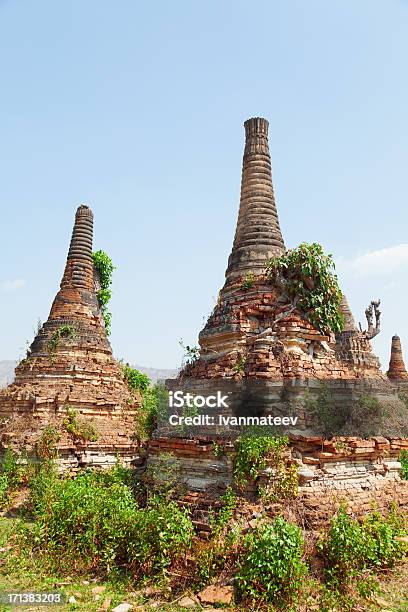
255 345
396 370
70 364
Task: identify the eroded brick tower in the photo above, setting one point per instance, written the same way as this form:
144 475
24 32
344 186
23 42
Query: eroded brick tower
258 347
252 330
70 362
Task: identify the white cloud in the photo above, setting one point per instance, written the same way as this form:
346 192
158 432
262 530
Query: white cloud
376 263
12 285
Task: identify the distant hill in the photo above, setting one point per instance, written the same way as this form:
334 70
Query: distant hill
6 372
155 374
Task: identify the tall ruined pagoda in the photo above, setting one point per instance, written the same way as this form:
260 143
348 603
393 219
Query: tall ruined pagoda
69 365
251 331
255 345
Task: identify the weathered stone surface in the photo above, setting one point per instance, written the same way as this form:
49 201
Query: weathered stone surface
215 594
358 472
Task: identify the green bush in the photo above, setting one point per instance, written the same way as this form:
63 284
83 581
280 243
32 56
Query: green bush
154 406
256 452
271 568
404 464
163 533
79 428
93 523
136 380
252 453
306 275
350 547
11 477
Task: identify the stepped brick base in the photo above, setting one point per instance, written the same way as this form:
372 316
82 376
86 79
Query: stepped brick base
357 472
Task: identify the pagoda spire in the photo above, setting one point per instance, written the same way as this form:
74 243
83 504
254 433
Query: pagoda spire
76 302
258 236
396 369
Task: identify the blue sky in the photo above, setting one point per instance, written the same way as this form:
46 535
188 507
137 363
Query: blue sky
137 108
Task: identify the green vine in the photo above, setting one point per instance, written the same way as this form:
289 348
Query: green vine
104 267
307 277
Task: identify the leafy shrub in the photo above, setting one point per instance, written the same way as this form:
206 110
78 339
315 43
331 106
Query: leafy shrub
46 445
220 551
78 428
220 520
104 268
137 382
163 534
93 523
271 567
154 407
11 477
404 464
255 453
307 277
252 454
163 475
350 547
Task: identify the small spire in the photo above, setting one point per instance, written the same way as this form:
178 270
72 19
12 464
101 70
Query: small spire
396 368
349 323
258 236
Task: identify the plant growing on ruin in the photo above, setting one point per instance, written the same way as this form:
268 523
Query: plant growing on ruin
248 281
239 366
104 268
271 568
163 475
67 332
191 353
219 520
46 445
218 450
136 381
154 407
307 278
252 452
284 483
77 428
404 464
